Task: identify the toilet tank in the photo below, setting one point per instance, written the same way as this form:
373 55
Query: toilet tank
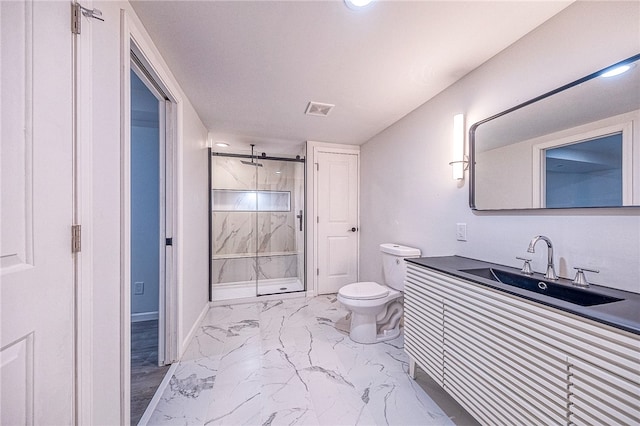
394 267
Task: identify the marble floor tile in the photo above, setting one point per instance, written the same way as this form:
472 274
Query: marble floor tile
186 400
208 342
291 362
239 404
221 315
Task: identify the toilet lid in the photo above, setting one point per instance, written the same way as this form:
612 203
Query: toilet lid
364 291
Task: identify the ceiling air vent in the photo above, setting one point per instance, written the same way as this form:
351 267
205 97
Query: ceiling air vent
316 108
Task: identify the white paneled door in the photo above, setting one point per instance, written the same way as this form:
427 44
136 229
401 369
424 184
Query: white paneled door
337 207
36 264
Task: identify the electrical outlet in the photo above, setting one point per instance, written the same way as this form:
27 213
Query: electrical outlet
138 288
461 231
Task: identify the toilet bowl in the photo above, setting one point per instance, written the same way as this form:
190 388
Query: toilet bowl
376 310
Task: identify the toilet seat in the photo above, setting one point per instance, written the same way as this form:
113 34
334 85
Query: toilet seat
366 290
376 310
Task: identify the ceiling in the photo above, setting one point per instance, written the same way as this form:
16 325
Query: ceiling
250 67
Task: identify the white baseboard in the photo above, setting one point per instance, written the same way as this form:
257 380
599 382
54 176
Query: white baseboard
144 316
194 329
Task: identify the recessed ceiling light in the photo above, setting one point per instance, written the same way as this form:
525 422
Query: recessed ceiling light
616 71
357 4
222 144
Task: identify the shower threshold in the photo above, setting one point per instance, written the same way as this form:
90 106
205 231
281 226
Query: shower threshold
245 289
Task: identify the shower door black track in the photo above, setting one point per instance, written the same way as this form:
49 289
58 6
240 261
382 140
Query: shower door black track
257 157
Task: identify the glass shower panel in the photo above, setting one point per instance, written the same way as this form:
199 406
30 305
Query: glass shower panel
280 228
257 228
233 220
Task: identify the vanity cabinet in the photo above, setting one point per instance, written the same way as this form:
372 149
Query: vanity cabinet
508 360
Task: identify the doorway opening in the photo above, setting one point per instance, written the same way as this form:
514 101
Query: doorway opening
257 226
149 211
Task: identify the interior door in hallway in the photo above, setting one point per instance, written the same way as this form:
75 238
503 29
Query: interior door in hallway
337 220
36 264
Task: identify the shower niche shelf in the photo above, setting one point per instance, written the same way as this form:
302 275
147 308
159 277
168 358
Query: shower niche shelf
234 200
253 254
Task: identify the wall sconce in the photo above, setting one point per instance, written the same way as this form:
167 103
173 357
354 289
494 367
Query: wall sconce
460 161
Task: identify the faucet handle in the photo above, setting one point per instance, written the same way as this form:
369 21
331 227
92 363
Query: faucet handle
526 268
581 280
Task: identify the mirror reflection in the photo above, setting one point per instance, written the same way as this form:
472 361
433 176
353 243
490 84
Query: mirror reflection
584 174
574 147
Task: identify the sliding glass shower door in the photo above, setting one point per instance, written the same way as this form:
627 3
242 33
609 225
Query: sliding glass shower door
257 226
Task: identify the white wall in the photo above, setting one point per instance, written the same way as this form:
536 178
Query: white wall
103 224
408 196
193 239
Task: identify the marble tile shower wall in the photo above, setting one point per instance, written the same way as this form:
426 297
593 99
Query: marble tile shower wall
244 269
229 173
242 233
274 236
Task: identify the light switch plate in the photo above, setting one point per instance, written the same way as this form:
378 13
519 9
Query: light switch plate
138 288
461 231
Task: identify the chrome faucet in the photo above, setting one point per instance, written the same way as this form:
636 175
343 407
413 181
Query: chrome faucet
551 273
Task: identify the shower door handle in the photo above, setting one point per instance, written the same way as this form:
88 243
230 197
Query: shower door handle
299 216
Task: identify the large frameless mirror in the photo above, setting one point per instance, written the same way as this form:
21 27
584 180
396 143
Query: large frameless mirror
575 147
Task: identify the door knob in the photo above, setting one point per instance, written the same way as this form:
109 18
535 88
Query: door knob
354 229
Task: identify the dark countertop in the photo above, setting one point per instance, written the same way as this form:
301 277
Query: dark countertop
623 314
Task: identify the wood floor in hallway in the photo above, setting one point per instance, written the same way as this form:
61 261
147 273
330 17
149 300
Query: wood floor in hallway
146 375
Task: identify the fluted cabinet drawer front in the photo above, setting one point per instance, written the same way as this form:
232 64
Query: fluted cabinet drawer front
567 333
423 327
496 377
529 389
597 395
425 351
513 372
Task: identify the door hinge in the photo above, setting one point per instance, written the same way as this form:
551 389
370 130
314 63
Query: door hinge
76 238
317 219
76 16
78 11
318 166
318 271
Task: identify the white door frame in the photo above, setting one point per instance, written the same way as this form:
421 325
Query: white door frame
312 205
132 38
83 214
164 109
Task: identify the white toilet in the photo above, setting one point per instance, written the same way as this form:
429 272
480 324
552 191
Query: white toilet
376 310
